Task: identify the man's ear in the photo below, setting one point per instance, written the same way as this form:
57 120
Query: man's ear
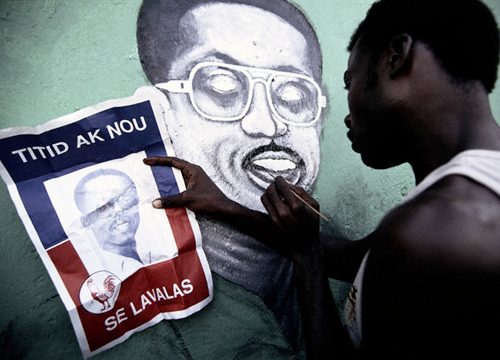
400 55
85 220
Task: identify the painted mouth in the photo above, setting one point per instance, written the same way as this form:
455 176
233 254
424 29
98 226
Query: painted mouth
121 226
263 164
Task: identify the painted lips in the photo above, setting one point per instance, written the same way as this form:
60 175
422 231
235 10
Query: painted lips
265 163
123 224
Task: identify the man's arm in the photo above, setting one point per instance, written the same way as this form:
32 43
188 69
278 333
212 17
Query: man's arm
203 197
324 333
431 282
325 336
343 257
290 228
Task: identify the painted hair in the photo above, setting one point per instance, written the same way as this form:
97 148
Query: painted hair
462 34
158 33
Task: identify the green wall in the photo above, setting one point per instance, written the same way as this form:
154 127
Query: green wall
59 56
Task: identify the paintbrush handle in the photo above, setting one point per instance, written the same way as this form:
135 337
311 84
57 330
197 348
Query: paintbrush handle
309 205
305 202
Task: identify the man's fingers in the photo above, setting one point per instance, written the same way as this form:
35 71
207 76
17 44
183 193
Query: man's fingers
269 206
157 160
166 161
289 191
278 204
184 166
285 190
170 201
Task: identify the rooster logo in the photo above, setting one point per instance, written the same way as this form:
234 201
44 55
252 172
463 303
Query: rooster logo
99 292
103 296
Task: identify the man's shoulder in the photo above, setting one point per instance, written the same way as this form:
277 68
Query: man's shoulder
434 266
457 217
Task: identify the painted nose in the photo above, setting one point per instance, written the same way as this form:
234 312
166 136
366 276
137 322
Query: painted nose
116 209
260 121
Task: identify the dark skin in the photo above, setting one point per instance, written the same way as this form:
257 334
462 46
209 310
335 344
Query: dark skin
431 284
294 233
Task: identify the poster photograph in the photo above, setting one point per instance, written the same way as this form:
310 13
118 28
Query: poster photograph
84 195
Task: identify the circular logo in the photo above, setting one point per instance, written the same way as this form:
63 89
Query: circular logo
99 292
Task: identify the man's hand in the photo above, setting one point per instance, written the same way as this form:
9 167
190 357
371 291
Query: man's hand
299 225
201 196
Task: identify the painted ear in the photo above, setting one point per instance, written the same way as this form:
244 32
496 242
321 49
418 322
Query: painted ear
400 55
85 221
156 91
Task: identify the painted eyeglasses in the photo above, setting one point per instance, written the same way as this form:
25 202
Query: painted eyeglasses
224 92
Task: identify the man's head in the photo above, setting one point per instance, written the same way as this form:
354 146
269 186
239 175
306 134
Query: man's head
462 34
409 62
108 200
161 33
246 102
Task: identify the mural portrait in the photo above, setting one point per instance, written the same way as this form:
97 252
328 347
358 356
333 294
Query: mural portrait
241 81
241 89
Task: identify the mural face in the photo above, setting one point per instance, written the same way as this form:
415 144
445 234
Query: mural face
109 204
251 109
242 101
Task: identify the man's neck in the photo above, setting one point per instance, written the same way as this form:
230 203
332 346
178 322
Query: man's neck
459 121
127 248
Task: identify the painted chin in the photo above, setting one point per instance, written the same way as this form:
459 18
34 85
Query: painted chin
265 163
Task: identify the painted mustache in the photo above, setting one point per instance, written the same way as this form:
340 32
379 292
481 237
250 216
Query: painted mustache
264 163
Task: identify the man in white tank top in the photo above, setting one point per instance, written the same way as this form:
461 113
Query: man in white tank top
418 80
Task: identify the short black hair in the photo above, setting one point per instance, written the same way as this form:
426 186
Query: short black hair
462 34
158 37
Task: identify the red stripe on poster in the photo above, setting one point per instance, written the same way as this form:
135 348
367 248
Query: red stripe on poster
166 287
71 269
181 228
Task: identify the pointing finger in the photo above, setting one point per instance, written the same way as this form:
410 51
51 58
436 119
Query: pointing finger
166 161
170 201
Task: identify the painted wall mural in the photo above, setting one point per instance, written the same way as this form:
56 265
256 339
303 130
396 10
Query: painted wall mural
60 56
241 81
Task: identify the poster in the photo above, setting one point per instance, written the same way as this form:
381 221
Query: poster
84 196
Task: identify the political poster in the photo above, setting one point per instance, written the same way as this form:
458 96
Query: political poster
84 195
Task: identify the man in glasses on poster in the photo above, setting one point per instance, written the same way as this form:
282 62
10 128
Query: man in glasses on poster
109 202
240 86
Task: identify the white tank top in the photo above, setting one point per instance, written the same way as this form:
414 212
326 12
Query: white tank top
482 166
